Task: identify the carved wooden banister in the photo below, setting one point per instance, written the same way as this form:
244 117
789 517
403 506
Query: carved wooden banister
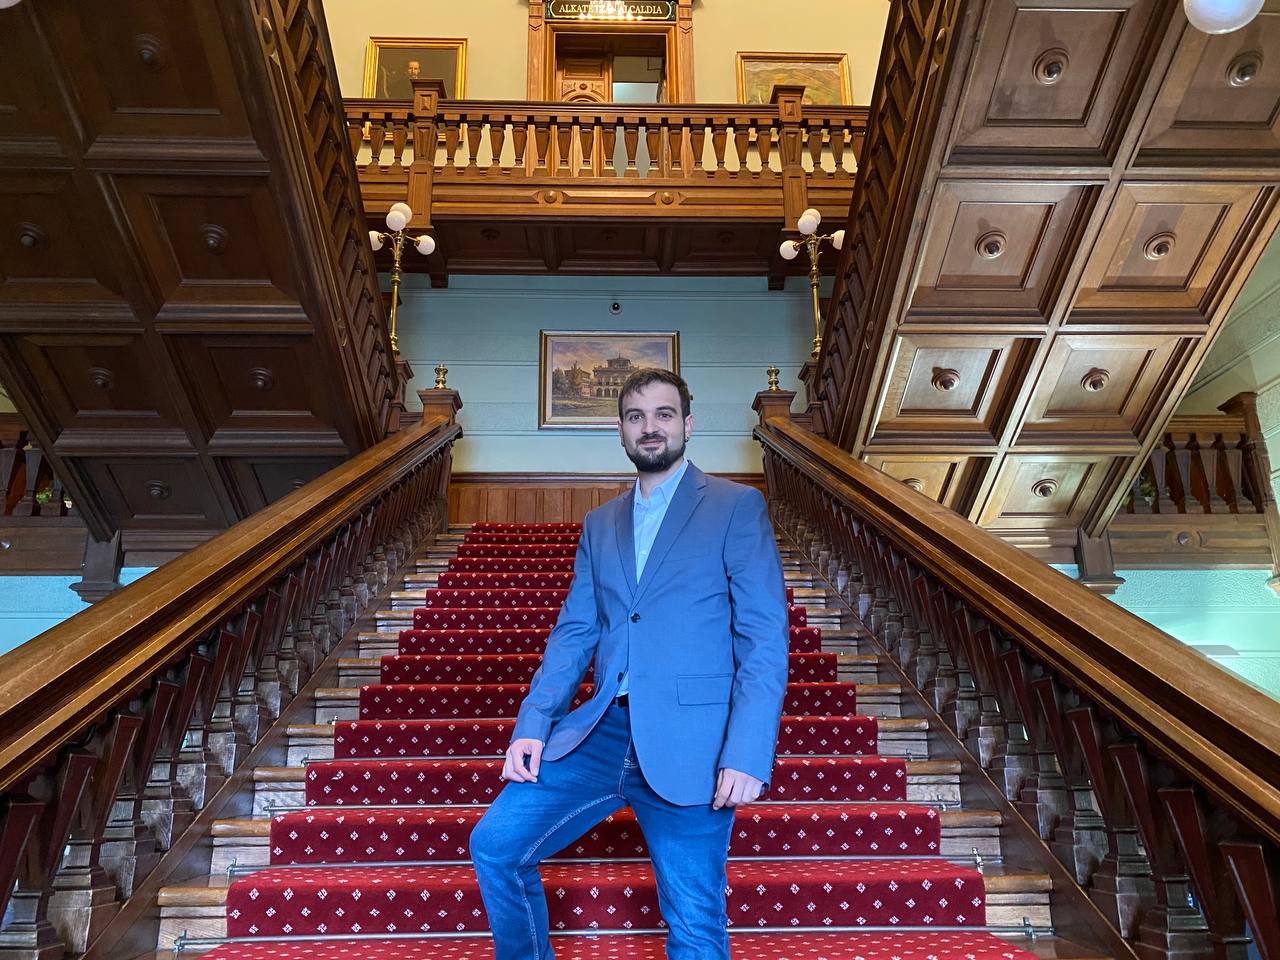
119 724
1143 766
663 141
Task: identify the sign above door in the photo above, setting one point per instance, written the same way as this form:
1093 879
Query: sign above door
611 11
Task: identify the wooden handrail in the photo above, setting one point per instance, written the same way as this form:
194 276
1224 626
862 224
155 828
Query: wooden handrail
61 680
1146 770
115 723
1217 729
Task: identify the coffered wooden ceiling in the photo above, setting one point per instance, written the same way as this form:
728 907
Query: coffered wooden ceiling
1056 208
189 316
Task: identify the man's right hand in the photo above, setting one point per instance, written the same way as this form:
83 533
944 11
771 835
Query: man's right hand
513 768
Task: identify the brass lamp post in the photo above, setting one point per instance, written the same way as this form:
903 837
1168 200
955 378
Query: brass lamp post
812 241
398 218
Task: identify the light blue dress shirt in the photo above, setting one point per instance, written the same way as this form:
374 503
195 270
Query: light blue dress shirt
646 520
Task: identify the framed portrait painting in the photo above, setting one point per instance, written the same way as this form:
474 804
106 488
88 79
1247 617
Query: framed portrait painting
580 373
824 76
391 64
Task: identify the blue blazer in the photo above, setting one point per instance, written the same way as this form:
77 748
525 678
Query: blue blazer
704 634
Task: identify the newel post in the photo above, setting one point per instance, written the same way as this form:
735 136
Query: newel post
795 188
1258 467
427 95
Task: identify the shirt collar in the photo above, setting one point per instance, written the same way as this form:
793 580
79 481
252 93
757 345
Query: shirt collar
665 490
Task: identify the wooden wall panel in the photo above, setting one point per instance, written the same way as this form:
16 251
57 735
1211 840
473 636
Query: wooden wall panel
540 497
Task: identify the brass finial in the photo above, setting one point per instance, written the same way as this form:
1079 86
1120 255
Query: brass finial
441 370
773 378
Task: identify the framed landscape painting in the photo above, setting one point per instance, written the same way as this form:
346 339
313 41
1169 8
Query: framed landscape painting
824 76
580 373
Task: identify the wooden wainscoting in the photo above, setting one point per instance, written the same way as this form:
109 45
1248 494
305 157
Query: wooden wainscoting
542 497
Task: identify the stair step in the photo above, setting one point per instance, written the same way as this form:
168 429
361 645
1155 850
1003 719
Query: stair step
937 890
448 782
894 737
824 945
793 830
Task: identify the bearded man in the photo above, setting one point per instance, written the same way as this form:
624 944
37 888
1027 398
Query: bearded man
678 598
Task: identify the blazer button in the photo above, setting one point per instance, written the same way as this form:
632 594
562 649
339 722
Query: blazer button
635 618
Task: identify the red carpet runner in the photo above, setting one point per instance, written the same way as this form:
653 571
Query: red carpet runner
382 846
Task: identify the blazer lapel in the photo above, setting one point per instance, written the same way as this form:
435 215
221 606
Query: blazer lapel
625 531
687 497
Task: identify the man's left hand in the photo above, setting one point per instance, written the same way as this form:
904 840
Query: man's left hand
734 788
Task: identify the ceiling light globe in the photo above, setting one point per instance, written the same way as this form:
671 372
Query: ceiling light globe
809 221
375 239
837 239
426 245
9 3
1221 16
396 221
789 250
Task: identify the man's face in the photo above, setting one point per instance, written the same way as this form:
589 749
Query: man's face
652 430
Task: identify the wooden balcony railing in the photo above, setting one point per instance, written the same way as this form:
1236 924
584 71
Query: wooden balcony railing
119 725
1203 496
428 143
1151 775
30 487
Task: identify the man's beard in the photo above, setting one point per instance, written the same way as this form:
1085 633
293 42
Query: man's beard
657 460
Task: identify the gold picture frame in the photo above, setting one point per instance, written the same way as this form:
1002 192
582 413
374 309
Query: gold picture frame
387 74
823 75
580 371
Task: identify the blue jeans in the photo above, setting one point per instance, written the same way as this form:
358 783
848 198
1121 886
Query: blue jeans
531 821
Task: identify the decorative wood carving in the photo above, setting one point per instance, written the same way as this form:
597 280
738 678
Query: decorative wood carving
1048 174
186 284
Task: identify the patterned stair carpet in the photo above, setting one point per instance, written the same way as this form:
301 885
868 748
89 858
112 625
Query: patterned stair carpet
381 846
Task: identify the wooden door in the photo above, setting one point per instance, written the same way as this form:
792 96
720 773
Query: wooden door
584 78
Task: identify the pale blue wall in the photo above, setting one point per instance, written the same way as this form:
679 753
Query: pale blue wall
31 605
1231 616
486 330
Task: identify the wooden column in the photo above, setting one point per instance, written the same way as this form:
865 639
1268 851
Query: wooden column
427 95
537 51
1258 465
683 55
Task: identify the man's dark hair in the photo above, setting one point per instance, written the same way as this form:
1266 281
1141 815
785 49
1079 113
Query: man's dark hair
646 376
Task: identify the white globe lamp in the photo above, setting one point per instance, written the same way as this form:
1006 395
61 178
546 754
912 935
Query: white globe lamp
1221 16
809 221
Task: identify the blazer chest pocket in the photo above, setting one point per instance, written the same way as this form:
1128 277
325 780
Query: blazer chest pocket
711 688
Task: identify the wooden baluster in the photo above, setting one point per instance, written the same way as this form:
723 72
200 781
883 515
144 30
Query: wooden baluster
815 134
653 147
719 140
129 847
452 136
677 149
1233 460
399 139
1012 759
698 144
1079 840
631 141
764 144
199 769
19 814
1170 928
524 163
228 739
1204 470
987 731
1255 876
1121 887
839 135
27 505
497 143
588 130
741 147
29 932
610 131
377 140
542 141
85 898
1042 798
1184 478
355 139
563 138
475 135
167 808
1203 857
